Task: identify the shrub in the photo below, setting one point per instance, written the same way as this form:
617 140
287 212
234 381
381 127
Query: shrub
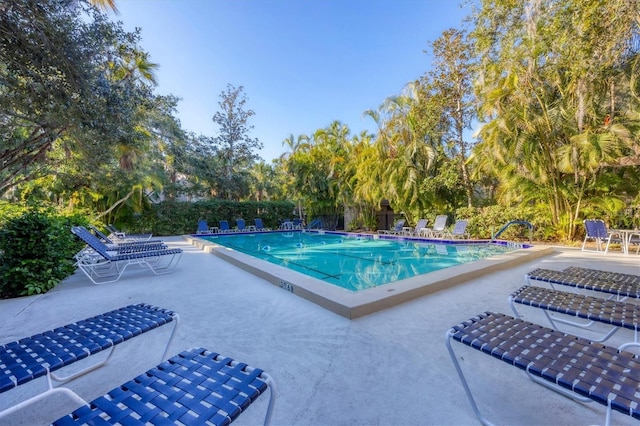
36 252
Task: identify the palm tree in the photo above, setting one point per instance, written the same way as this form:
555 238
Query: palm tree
134 64
406 158
294 144
105 4
262 177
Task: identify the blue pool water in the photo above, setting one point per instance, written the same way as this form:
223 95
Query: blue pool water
355 262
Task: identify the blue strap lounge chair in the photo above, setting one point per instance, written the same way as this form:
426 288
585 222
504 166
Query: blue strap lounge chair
594 309
224 226
621 289
154 244
204 228
115 248
43 354
195 387
397 228
259 225
120 235
459 230
417 230
439 227
241 226
103 265
596 230
575 367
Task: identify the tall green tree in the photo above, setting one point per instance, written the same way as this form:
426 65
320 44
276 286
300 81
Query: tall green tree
293 144
450 82
233 146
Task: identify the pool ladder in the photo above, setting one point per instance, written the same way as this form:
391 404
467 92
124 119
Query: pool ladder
515 222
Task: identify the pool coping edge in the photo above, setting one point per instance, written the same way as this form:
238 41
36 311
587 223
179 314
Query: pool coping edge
353 305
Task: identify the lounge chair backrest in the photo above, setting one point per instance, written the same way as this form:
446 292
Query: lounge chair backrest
422 223
315 223
91 240
258 223
203 226
240 224
399 225
101 235
460 227
440 223
595 228
224 225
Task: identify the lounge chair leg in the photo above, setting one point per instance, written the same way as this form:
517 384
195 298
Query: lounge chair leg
607 420
272 397
465 385
37 398
173 333
111 351
53 376
634 343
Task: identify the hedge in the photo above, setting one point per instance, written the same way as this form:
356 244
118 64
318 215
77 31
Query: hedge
36 252
180 218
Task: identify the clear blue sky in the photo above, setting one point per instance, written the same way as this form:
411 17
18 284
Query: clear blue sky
302 63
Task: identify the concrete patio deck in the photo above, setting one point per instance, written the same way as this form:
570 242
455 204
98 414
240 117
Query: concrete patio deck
387 368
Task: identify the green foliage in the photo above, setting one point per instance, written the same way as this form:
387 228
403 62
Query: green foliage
553 94
9 211
233 150
37 252
177 218
65 95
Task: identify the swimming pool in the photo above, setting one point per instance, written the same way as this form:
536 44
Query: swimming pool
353 304
355 262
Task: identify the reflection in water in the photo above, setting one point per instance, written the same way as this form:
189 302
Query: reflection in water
355 263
